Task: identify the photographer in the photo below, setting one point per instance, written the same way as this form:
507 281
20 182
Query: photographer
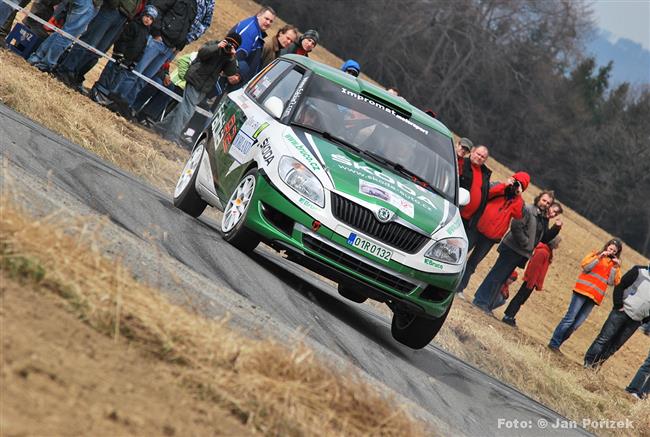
213 59
600 269
504 203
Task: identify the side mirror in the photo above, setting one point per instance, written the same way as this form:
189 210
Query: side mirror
463 197
275 106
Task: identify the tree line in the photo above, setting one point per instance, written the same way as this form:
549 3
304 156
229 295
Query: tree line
511 74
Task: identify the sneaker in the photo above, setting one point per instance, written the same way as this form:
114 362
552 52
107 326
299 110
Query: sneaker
636 396
460 295
509 321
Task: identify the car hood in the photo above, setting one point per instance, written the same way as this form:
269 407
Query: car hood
364 179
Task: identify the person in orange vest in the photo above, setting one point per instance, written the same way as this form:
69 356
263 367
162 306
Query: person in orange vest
599 269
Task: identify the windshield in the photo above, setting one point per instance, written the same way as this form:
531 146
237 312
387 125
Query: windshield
372 127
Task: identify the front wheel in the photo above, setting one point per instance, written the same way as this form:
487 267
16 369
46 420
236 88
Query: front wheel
234 215
185 196
415 331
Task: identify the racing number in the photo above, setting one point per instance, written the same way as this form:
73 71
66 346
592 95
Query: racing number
229 133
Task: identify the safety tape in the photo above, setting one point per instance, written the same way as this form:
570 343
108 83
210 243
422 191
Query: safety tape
76 40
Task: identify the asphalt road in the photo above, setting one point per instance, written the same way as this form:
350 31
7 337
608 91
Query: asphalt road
455 397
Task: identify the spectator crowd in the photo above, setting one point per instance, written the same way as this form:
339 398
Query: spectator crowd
146 36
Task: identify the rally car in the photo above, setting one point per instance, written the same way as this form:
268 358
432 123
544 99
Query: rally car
352 182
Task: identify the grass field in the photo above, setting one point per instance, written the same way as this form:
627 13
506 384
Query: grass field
518 357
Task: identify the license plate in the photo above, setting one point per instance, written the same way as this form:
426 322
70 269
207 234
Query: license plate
369 247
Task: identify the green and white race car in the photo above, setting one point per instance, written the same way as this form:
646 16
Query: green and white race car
353 183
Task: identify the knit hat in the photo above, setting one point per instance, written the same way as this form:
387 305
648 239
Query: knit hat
234 38
351 64
311 34
151 11
466 143
523 178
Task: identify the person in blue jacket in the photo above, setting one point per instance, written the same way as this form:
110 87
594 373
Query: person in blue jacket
249 55
351 67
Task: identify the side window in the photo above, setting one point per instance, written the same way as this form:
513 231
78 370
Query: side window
285 88
260 84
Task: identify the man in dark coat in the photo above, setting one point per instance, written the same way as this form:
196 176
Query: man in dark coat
517 247
474 176
213 58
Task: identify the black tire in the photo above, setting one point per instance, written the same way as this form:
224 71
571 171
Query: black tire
185 196
239 235
349 291
415 331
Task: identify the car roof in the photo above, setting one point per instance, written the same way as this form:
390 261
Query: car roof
362 86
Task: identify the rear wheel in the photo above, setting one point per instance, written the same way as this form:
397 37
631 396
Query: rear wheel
349 291
234 215
415 331
185 196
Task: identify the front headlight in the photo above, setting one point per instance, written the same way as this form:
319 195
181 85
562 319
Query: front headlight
448 250
297 176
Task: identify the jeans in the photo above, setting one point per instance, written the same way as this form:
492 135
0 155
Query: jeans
617 329
156 53
578 311
482 246
102 32
486 295
640 384
176 120
111 76
79 15
520 298
151 102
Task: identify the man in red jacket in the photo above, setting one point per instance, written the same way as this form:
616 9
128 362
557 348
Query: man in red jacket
504 203
533 278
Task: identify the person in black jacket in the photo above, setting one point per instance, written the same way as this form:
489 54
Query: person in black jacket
168 37
474 176
214 58
127 51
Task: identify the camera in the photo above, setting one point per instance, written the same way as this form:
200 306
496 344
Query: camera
229 47
511 190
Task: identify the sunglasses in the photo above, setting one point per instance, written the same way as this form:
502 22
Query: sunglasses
353 72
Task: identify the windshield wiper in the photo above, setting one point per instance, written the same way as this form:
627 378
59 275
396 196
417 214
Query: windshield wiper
330 137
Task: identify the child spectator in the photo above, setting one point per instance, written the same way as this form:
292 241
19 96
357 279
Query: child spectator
533 278
351 67
599 269
127 51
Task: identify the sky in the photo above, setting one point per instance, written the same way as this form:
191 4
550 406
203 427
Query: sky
624 19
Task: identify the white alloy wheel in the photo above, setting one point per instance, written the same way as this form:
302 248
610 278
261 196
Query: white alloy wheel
236 208
191 167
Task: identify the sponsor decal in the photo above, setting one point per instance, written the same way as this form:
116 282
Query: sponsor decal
363 171
302 150
452 228
296 96
217 124
376 191
378 105
267 152
307 203
431 262
260 129
369 247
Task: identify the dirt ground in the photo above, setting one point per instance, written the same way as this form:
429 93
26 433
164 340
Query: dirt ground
65 378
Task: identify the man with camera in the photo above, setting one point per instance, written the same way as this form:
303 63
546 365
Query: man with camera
214 58
474 176
504 203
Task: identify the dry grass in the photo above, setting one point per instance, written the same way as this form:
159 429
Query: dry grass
274 389
517 357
